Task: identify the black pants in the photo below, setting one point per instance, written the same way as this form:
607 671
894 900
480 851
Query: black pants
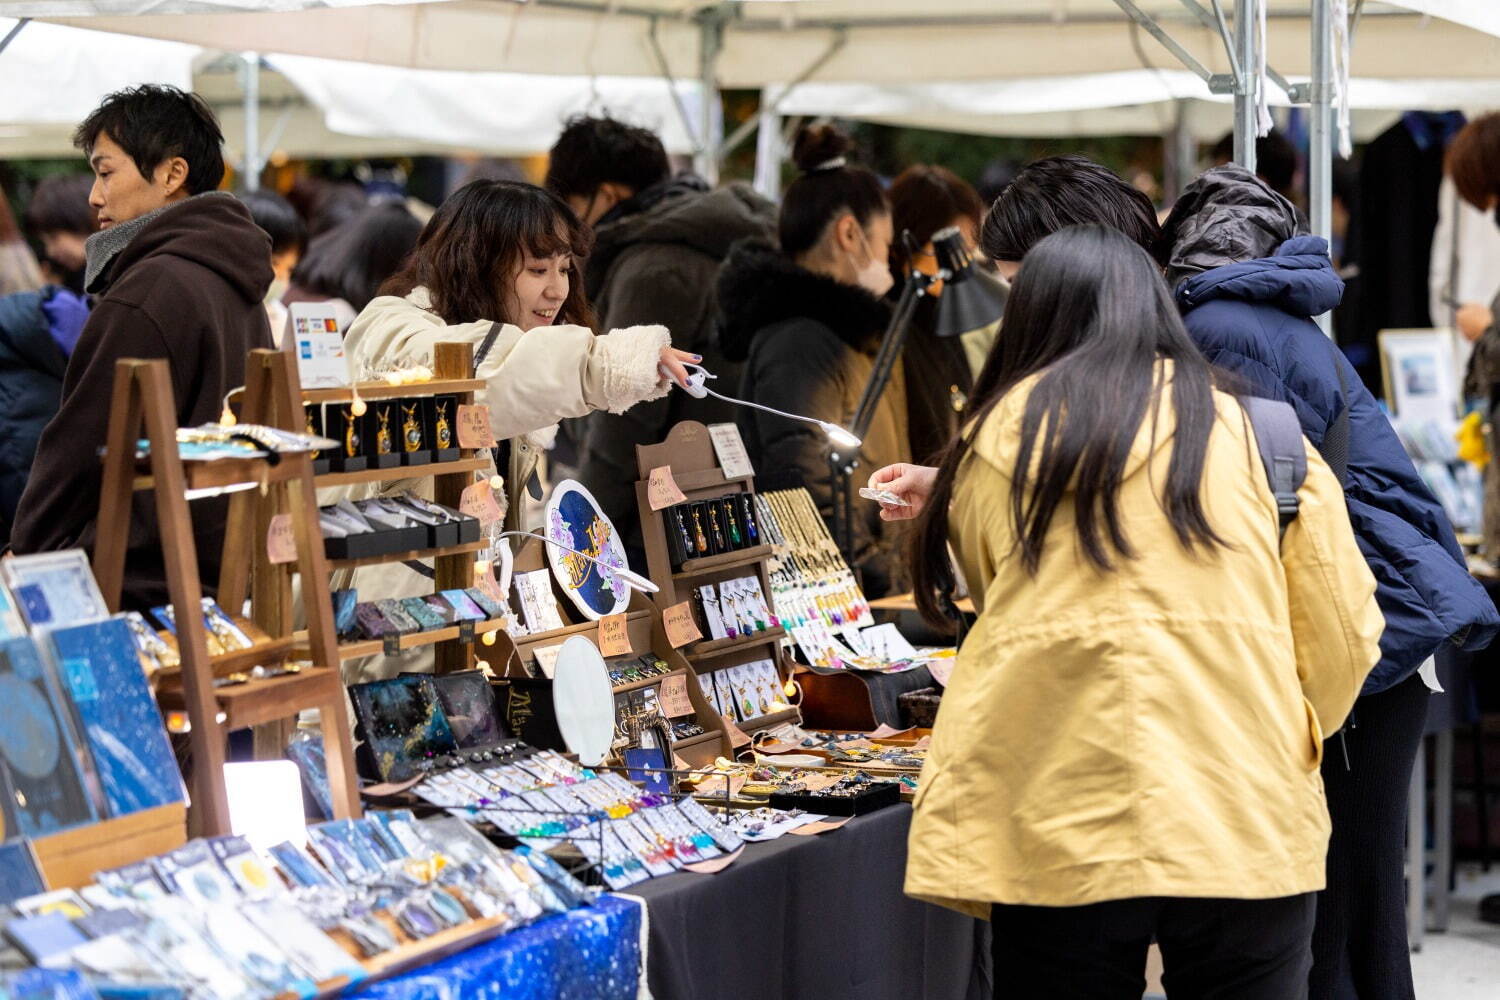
1360 950
1212 949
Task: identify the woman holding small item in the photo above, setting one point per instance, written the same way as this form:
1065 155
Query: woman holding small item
1129 745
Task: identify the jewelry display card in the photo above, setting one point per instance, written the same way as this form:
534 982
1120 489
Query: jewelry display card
538 606
54 588
39 756
97 666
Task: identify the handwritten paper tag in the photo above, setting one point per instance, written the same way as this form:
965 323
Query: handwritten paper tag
478 501
486 582
281 542
546 659
474 427
614 636
713 865
730 449
673 696
661 488
680 625
822 826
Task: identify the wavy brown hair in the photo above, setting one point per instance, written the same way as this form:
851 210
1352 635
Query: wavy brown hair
476 243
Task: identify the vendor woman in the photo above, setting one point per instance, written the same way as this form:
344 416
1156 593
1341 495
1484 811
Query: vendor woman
494 268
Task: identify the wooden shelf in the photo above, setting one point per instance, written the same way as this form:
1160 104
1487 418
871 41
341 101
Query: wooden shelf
372 647
383 390
647 682
692 741
390 557
724 560
70 858
401 472
223 473
553 636
720 647
774 719
264 700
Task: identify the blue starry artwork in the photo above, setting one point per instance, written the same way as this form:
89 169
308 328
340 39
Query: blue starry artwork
574 519
40 771
98 668
403 724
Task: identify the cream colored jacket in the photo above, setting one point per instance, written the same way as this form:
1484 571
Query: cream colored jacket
533 379
1155 731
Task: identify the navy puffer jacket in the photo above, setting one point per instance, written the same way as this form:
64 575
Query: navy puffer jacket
32 364
1254 319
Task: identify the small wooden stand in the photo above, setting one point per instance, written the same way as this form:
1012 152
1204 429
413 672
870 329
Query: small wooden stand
143 406
647 635
688 451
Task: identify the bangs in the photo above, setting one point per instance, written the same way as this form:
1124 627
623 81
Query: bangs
548 234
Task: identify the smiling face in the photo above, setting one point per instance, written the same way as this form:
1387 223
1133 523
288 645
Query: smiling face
121 192
539 289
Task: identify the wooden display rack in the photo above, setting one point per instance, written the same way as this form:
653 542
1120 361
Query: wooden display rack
688 451
143 406
516 657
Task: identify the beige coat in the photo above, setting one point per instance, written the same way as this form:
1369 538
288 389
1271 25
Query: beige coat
533 379
1156 731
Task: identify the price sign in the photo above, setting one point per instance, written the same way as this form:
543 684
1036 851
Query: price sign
486 582
281 542
546 659
730 449
474 427
681 627
478 501
661 488
675 702
614 636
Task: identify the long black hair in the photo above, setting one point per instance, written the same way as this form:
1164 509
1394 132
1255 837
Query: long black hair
1090 314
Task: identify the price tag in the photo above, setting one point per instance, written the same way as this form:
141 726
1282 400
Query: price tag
281 542
391 644
614 636
474 426
661 488
673 695
737 737
730 449
681 627
486 582
478 501
546 659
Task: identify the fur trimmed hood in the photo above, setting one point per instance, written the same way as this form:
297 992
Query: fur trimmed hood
759 287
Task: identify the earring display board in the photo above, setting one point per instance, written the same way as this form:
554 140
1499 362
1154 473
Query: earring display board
643 665
708 551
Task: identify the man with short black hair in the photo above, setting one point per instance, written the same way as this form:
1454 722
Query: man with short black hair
659 241
179 270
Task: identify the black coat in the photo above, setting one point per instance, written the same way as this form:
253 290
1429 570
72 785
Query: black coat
808 345
32 365
655 264
188 288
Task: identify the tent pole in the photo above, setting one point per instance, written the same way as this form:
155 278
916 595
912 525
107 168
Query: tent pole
1181 154
1248 82
710 118
10 35
768 149
1321 131
250 159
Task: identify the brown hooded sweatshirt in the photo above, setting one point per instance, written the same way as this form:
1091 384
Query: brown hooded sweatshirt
187 288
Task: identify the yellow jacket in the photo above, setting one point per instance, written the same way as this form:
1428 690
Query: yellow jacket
1155 731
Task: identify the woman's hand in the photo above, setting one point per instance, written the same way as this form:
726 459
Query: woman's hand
912 483
1473 319
672 361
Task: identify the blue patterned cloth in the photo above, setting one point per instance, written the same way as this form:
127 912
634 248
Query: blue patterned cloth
592 953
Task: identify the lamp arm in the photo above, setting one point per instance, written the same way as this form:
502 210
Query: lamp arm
762 407
891 345
630 576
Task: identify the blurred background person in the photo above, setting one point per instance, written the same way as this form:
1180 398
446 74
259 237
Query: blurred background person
280 221
658 244
924 200
18 267
347 265
806 319
60 218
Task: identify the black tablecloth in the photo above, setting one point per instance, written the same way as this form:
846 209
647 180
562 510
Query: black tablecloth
812 918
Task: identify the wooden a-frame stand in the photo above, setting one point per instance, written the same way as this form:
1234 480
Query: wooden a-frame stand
142 406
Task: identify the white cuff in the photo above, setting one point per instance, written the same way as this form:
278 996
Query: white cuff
628 362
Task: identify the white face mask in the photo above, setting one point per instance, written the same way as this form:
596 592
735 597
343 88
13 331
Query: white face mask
875 275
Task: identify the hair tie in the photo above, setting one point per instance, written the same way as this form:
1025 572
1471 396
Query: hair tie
837 163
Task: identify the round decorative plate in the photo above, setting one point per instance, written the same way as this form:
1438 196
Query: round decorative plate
573 518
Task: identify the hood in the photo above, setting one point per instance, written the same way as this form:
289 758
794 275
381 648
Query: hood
759 286
1298 279
682 213
1226 216
213 230
999 440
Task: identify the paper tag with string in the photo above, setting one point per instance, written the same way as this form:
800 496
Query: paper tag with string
478 501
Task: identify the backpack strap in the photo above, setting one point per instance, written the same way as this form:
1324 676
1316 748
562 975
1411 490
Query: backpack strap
1278 436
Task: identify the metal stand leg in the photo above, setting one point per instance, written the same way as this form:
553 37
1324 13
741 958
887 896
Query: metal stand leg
1442 828
1416 856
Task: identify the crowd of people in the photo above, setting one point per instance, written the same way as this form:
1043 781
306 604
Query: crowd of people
1147 735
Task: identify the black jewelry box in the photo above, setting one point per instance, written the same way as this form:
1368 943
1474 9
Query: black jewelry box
875 796
441 414
322 461
349 431
382 435
413 440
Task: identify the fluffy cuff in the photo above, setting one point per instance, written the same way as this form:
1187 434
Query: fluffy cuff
628 360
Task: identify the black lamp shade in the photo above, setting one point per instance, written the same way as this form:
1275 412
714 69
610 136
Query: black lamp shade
972 298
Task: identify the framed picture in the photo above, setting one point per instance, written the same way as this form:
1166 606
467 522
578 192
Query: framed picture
53 589
1421 373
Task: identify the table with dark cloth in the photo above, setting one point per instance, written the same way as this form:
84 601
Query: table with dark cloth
592 953
812 917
